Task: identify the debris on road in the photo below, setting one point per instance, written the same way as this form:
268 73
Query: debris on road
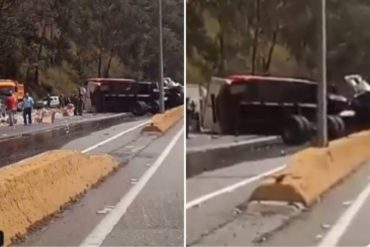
44 115
105 210
319 236
133 180
346 203
237 211
325 226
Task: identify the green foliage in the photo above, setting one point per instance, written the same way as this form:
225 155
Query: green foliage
279 37
60 79
54 45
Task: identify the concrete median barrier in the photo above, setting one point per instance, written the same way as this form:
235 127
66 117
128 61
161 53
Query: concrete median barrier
34 189
164 121
313 171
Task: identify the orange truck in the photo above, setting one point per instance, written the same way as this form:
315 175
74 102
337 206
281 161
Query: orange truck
12 85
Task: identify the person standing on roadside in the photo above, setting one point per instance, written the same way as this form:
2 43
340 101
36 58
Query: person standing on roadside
80 104
11 106
48 101
27 109
62 101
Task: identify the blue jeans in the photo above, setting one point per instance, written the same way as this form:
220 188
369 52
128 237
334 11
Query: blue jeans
27 112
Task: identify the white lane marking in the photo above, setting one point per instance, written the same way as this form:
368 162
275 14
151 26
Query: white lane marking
106 225
340 227
231 188
115 137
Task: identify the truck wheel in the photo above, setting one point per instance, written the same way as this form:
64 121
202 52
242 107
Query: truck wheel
307 127
340 128
295 130
154 107
139 108
335 129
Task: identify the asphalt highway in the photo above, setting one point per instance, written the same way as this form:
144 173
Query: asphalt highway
141 204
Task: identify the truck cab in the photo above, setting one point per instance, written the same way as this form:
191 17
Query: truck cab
11 85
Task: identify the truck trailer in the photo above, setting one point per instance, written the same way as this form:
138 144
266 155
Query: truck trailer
121 95
270 105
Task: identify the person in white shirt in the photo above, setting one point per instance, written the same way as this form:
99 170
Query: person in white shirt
27 109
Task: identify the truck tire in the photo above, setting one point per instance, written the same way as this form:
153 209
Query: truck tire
154 107
342 125
296 130
307 126
335 127
139 108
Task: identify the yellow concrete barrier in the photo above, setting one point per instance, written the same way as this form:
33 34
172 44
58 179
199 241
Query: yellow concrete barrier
35 188
313 171
164 121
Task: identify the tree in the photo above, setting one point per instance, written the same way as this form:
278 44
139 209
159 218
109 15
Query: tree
56 44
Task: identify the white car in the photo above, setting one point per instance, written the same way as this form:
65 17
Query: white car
54 102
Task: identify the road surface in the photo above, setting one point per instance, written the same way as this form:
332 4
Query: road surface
141 204
20 129
204 141
218 212
340 219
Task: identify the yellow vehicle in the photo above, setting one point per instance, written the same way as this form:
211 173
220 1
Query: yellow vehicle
12 85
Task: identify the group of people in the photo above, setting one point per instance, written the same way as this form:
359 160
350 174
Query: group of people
11 104
77 100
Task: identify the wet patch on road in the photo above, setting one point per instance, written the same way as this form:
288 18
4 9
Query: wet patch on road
18 148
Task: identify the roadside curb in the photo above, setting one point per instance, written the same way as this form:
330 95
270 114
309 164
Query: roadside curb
202 159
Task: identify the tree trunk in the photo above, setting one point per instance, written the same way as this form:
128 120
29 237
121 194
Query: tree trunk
107 69
39 53
221 41
221 66
267 63
100 61
256 36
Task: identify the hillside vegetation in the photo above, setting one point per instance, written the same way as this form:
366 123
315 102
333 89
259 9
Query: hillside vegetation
53 45
275 37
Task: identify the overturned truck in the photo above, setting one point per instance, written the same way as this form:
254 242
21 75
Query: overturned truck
270 105
121 95
128 95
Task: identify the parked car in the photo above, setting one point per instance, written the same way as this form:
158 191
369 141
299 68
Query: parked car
54 102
